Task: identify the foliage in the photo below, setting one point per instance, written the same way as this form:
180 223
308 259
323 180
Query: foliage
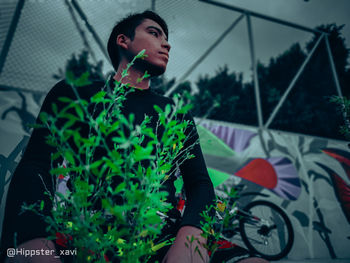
215 224
227 97
96 216
80 65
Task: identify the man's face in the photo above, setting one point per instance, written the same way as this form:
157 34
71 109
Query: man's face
150 36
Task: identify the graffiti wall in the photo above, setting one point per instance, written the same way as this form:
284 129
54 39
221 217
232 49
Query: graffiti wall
306 176
17 111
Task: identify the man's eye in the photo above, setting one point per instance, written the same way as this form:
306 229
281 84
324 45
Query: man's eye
154 33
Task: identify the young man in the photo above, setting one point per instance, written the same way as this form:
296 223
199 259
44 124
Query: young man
151 34
137 32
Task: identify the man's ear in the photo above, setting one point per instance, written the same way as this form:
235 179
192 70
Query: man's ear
123 41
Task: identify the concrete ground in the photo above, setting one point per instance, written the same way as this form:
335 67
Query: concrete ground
309 261
286 260
314 261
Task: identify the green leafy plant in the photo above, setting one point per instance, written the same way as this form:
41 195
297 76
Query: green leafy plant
98 218
212 226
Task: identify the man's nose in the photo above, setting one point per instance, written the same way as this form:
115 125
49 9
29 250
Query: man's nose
166 45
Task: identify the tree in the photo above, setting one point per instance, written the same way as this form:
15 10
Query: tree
234 99
80 65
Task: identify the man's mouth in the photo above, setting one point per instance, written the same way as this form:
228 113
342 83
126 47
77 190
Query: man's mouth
164 54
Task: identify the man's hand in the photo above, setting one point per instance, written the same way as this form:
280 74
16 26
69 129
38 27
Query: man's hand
179 252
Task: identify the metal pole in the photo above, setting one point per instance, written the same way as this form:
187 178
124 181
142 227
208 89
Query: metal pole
291 85
255 73
334 71
205 54
153 5
81 31
10 33
337 85
265 17
90 28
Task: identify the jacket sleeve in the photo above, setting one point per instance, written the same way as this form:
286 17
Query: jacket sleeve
197 183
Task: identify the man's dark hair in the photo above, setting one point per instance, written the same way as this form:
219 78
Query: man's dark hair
127 27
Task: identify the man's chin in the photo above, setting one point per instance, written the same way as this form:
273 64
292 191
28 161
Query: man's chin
153 70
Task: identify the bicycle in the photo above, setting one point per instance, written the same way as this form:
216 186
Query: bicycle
265 228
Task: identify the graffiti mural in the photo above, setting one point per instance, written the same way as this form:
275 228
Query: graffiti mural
341 188
14 131
307 176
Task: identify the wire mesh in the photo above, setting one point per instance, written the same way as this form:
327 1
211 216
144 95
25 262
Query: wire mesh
49 32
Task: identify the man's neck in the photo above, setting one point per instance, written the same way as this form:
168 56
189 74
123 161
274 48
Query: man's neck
134 77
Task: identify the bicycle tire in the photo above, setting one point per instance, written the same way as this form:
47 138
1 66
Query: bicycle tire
283 230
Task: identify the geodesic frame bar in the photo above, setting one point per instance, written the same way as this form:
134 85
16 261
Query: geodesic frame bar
205 54
255 71
292 83
82 15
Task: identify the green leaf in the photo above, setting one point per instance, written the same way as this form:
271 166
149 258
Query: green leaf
42 205
79 111
167 109
68 124
142 54
68 116
83 80
55 156
198 251
50 140
98 96
178 183
80 81
121 187
124 73
146 75
59 170
157 109
69 157
131 118
184 109
65 99
172 123
96 164
142 153
54 108
70 77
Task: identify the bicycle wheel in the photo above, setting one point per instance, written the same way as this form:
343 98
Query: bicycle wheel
266 230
